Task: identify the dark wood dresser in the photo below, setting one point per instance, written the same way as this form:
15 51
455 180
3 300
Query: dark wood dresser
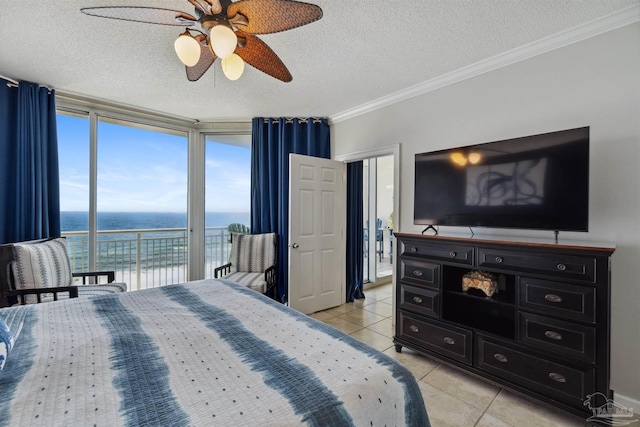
545 333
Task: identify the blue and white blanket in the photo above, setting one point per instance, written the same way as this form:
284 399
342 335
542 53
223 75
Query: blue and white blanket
204 353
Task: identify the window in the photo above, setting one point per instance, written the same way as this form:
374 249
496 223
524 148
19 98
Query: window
227 193
73 159
139 201
73 149
142 203
125 182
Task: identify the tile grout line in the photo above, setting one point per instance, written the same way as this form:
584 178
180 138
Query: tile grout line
487 408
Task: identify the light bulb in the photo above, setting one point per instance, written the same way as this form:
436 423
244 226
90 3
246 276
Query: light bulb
233 67
188 49
223 41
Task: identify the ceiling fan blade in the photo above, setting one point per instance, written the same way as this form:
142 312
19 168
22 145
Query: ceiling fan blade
207 58
149 15
208 7
201 5
271 16
256 53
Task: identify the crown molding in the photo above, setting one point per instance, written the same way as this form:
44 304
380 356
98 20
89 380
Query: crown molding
585 31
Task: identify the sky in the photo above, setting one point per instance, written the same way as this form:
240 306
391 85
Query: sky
141 170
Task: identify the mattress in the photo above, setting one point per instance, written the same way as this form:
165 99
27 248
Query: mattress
208 352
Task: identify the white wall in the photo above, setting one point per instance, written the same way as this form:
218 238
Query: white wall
596 83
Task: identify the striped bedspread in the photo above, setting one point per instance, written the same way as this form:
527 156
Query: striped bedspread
209 353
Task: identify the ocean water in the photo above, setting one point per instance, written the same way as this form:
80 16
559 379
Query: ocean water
79 221
162 255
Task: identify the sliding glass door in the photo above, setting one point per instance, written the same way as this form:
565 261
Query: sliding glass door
227 193
378 218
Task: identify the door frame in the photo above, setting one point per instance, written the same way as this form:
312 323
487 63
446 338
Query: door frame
395 151
390 150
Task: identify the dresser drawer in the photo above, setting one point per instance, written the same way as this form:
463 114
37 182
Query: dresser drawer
447 340
548 264
558 336
566 383
443 252
573 302
419 273
419 300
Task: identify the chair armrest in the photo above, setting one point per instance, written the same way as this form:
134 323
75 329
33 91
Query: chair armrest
221 271
270 276
111 275
20 293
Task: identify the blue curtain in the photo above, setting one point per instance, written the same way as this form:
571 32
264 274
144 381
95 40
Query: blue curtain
271 143
30 190
355 231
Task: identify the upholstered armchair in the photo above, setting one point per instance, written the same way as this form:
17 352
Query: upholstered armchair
253 261
39 271
237 228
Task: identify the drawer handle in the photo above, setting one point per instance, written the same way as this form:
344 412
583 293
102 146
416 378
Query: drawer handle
562 267
499 259
452 254
417 299
414 249
417 273
557 377
500 358
449 340
414 328
553 335
553 298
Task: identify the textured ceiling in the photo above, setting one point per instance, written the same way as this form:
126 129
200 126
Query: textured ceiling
360 51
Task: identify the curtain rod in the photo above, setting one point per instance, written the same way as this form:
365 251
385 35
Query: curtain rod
14 83
10 82
290 120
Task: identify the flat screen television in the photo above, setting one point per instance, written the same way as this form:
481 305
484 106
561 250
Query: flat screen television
533 182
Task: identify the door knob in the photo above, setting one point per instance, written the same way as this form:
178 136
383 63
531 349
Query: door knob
295 246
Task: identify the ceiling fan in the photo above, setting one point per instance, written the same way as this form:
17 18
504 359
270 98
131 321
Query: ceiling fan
224 29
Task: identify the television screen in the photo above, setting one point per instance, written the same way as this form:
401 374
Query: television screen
533 182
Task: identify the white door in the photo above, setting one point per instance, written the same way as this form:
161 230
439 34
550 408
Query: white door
317 223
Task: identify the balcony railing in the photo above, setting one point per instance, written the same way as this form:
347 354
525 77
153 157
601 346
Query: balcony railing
147 258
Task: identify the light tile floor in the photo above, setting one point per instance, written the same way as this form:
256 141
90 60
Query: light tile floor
452 397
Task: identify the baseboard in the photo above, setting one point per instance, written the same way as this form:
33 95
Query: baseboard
627 402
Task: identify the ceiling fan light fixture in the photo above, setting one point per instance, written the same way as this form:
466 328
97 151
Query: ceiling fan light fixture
458 158
233 66
188 49
223 40
223 27
474 157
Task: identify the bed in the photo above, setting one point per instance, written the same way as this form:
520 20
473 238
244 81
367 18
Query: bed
207 352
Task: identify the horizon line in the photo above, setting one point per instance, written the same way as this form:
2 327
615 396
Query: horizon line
229 212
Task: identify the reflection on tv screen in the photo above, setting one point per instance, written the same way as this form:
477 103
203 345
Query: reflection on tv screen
508 184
